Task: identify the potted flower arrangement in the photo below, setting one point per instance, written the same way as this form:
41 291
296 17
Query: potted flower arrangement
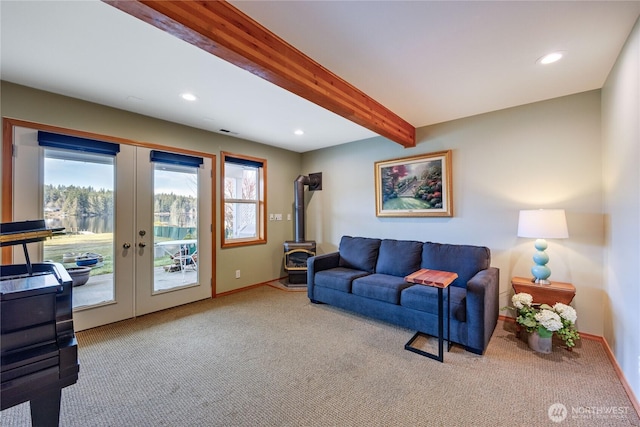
541 321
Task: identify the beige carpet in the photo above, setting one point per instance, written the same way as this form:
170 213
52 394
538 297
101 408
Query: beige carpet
267 357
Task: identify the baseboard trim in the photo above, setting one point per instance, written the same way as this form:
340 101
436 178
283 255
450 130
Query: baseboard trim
612 358
614 361
235 291
257 285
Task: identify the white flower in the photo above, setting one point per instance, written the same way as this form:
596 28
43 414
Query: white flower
521 300
549 320
566 312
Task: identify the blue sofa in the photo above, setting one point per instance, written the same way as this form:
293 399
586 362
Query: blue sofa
366 276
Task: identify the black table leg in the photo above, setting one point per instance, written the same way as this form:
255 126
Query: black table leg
440 356
440 326
45 409
448 318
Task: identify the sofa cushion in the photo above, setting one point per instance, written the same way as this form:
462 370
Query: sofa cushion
338 278
425 298
399 257
382 287
359 253
465 260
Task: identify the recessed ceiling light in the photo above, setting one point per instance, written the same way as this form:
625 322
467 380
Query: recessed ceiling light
188 96
298 132
550 58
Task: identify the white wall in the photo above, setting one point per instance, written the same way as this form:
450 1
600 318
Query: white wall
542 155
621 138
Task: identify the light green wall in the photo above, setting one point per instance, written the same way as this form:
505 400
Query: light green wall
542 155
257 263
621 142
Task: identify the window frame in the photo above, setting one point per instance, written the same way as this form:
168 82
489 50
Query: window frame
261 219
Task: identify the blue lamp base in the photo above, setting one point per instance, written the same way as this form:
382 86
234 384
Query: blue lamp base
540 271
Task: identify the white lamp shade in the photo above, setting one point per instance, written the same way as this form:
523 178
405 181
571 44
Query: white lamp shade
543 224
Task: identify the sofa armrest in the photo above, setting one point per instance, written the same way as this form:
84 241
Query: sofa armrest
482 308
319 263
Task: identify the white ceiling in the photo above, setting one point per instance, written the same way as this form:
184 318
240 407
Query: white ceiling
426 61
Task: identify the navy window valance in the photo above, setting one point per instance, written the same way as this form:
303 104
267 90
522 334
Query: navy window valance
176 159
67 142
243 162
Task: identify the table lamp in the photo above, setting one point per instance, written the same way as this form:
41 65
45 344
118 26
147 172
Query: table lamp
542 224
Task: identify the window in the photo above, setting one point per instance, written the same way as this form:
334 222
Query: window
79 196
175 218
243 210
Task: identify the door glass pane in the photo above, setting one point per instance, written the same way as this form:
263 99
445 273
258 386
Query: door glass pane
79 196
175 231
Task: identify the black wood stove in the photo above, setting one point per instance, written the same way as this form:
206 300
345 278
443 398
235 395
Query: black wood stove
297 251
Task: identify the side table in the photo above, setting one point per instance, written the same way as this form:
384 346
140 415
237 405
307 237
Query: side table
440 280
545 294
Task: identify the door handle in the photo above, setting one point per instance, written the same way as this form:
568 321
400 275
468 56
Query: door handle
142 244
126 245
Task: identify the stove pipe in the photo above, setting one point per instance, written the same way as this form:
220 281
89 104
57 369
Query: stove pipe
314 181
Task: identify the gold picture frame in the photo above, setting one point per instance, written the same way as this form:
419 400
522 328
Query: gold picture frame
414 186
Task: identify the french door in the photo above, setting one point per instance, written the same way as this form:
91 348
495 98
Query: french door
140 220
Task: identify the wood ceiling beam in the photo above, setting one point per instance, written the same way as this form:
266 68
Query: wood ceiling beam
222 30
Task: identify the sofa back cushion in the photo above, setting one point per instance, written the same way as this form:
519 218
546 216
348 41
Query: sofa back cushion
399 257
359 253
465 260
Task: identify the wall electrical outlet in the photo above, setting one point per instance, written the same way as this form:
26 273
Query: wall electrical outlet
272 217
278 217
237 274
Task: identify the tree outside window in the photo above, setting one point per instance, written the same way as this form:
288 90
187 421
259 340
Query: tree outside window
244 201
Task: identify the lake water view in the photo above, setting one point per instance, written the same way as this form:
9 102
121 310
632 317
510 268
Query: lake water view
74 224
104 224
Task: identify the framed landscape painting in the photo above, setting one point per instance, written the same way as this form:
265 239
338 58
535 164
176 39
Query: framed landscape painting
414 186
